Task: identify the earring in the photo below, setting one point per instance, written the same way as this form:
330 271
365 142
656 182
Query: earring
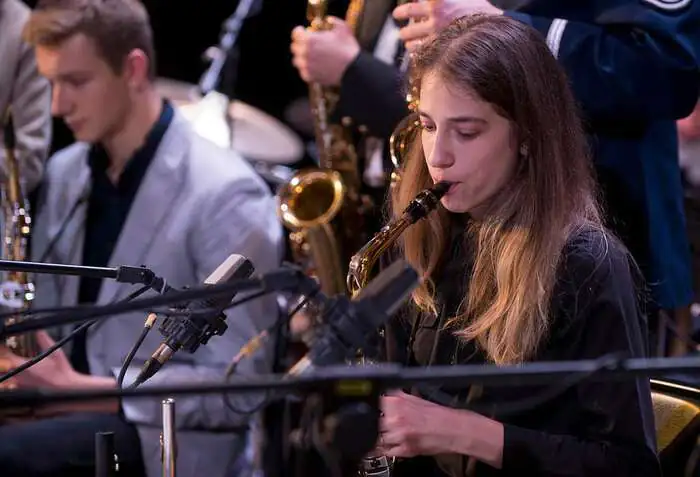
523 150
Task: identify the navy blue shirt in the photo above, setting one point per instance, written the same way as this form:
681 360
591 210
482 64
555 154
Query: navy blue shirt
633 67
108 207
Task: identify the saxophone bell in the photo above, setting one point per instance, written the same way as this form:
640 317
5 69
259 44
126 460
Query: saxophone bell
323 208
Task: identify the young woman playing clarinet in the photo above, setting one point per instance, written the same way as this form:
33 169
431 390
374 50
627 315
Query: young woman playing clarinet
520 269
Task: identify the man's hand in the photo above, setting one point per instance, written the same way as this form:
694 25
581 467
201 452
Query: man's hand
428 17
689 127
323 56
55 372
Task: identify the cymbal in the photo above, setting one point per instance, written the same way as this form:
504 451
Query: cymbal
298 114
256 135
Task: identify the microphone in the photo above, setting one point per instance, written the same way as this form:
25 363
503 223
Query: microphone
205 320
349 323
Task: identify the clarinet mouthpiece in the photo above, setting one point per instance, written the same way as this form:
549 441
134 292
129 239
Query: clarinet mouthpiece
441 188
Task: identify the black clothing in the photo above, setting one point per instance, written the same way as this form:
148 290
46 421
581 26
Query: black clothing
65 446
108 207
601 429
633 69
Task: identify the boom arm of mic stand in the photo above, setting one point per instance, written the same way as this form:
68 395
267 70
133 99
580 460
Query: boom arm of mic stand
231 27
283 279
122 274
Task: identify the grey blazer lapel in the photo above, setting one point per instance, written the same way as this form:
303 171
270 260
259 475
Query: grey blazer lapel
60 233
152 206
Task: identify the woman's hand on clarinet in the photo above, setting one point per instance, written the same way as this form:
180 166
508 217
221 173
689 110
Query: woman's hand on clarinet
411 426
427 17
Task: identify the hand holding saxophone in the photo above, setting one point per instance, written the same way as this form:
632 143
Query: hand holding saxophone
323 56
411 426
427 17
55 371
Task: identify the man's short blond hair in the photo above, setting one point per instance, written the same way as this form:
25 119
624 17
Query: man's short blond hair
117 27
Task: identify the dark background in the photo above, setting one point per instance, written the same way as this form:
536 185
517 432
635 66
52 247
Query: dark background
184 29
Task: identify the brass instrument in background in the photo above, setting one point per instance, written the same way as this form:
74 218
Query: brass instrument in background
322 206
405 131
16 288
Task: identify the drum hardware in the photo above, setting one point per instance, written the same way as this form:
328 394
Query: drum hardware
168 443
220 55
254 134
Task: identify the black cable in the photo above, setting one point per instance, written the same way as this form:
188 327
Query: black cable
148 325
34 360
553 391
81 200
269 331
82 312
147 328
501 410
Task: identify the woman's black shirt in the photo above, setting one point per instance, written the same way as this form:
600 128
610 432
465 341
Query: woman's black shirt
592 429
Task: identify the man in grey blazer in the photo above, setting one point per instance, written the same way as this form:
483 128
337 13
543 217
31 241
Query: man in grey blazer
139 187
27 92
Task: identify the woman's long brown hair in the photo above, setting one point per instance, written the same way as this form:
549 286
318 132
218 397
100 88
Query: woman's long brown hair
519 241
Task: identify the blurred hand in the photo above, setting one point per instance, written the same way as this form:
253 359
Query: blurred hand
430 16
323 56
689 127
412 426
54 371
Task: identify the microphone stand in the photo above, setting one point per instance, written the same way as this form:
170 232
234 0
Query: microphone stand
168 442
106 461
224 53
288 278
355 388
122 274
224 58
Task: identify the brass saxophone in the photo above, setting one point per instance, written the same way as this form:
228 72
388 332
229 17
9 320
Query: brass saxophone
405 131
360 269
17 288
322 206
363 262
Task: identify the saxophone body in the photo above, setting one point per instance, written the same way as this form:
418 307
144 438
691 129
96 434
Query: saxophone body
322 207
16 288
361 266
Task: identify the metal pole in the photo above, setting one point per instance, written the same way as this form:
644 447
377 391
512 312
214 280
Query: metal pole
167 438
105 456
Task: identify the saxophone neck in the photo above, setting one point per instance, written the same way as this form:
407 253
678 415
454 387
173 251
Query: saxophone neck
12 184
363 262
317 14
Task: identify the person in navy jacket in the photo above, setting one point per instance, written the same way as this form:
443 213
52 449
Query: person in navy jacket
634 69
